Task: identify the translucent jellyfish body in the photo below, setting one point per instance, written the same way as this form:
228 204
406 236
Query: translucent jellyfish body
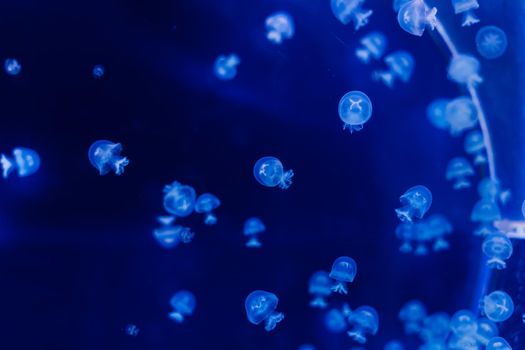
269 172
206 203
486 330
394 345
474 145
183 304
498 248
461 115
260 306
414 16
464 326
373 45
464 69
335 321
320 286
397 4
253 227
132 330
363 320
412 314
436 113
169 235
436 329
488 189
279 26
498 343
491 42
355 109
438 227
485 212
400 66
343 271
25 161
105 157
98 71
225 67
458 171
12 66
406 233
466 7
179 199
347 11
415 203
498 306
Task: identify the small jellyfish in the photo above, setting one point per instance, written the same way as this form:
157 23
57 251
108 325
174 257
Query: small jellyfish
400 66
436 113
466 7
461 114
405 232
498 248
498 343
225 66
335 321
464 323
394 345
438 226
474 144
132 330
12 66
458 171
486 330
179 200
355 109
485 212
206 203
414 16
252 228
412 315
269 172
183 304
260 306
373 45
491 42
279 26
25 161
347 11
364 320
169 236
343 271
416 201
320 286
498 306
464 69
435 329
105 157
98 71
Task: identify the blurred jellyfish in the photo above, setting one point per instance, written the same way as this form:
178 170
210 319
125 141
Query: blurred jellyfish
183 304
412 314
206 203
475 145
373 45
343 271
400 66
279 26
12 66
464 327
355 109
438 227
179 199
320 286
464 69
498 343
435 329
269 172
416 201
364 320
169 236
397 4
491 42
252 228
461 115
414 16
394 345
260 306
98 71
347 11
306 347
132 330
498 306
498 248
335 321
489 189
485 212
405 232
436 113
105 157
486 330
225 67
25 161
458 170
466 7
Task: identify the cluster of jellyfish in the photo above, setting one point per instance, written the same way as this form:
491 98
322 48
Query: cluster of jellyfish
416 236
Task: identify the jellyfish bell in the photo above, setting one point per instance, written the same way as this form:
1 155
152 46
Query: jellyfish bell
355 110
491 42
205 204
179 199
347 11
260 306
416 201
365 320
225 66
344 270
464 69
373 45
183 304
105 157
498 306
414 16
279 26
498 248
461 114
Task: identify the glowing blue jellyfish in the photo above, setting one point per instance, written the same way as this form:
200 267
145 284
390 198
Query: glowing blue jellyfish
169 236
12 66
343 271
498 248
436 113
132 330
498 306
485 212
412 314
306 347
461 115
491 42
268 171
179 200
394 345
347 11
225 67
486 330
498 343
252 228
438 227
98 71
459 170
435 331
466 7
355 109
279 26
335 321
206 203
416 201
474 145
489 189
260 306
183 304
464 69
25 161
414 16
364 320
105 157
464 324
405 232
400 66
373 45
320 286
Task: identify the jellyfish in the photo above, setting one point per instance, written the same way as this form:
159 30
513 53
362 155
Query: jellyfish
491 42
225 67
260 306
132 330
416 201
458 170
489 189
486 330
373 45
343 271
364 320
12 66
206 203
412 314
485 212
461 115
347 11
183 304
394 345
438 227
400 66
98 71
414 16
436 329
474 145
498 306
320 286
252 228
355 109
498 343
179 200
464 69
25 161
105 157
406 233
498 248
436 113
464 324
335 321
466 7
169 235
279 26
269 172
